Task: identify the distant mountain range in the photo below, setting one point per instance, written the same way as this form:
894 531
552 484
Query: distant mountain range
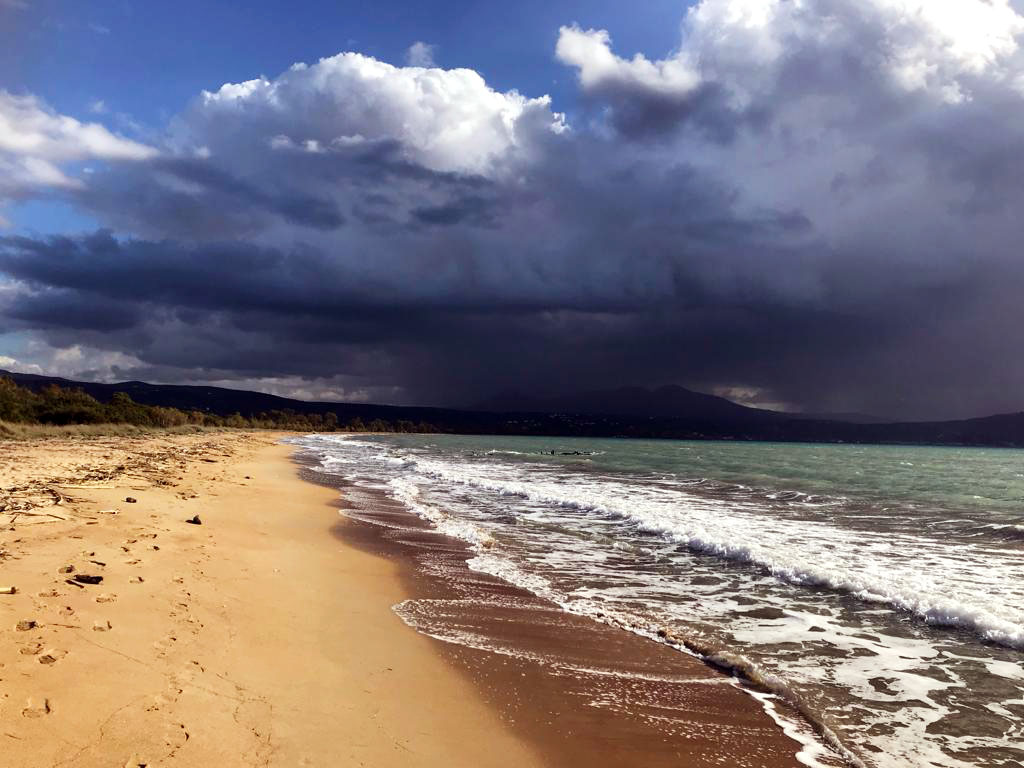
666 412
664 402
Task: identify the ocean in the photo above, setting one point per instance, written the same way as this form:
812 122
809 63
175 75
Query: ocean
877 591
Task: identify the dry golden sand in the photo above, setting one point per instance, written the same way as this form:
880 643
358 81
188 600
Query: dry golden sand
253 639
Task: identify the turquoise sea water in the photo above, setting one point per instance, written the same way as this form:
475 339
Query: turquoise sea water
878 589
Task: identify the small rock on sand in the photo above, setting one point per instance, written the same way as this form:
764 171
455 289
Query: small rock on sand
66 569
105 598
52 656
85 578
26 625
8 590
130 500
101 626
194 520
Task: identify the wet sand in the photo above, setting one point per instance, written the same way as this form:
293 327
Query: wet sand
584 693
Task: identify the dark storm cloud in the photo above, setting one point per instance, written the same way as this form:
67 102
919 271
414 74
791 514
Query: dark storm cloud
251 312
61 309
188 194
196 198
467 210
447 313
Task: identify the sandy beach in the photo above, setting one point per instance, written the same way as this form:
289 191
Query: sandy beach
136 638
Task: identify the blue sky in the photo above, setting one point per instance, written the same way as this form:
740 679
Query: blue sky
147 59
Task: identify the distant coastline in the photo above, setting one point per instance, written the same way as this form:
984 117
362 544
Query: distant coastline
679 414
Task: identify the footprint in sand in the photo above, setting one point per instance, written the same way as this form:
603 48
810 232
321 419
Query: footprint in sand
36 710
161 700
175 736
165 645
52 657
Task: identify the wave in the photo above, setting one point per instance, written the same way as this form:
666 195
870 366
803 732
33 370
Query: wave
723 532
1008 531
409 494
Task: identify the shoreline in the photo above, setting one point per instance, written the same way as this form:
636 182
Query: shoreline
559 679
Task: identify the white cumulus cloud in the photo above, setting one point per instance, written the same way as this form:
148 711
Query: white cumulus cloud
36 141
447 120
590 52
744 46
420 54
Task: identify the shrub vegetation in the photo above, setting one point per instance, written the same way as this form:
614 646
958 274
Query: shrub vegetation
60 406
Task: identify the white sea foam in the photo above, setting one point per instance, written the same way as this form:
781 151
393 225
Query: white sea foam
870 567
409 494
799 552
